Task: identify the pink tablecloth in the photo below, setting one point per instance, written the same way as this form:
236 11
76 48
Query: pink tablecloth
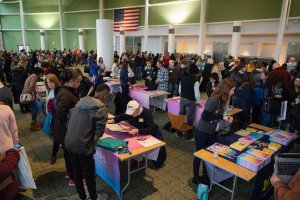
143 97
174 108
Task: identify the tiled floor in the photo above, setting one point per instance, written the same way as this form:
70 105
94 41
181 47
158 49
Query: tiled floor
172 181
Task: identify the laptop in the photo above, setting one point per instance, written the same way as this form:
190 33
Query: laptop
286 166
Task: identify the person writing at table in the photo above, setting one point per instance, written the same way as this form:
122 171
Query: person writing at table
286 192
208 125
139 117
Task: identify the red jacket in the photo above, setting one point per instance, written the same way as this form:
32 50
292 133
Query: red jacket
287 76
7 166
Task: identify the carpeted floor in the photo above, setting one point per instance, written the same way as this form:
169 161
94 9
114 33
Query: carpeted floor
172 181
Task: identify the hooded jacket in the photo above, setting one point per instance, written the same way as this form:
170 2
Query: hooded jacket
88 119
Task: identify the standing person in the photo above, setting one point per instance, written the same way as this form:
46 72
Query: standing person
115 69
52 85
8 128
274 93
212 84
124 79
86 126
29 88
173 78
258 93
66 99
206 73
189 96
280 71
293 107
207 127
19 76
2 76
6 96
149 75
138 66
162 77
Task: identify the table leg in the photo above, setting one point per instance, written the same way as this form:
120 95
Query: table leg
128 177
233 187
146 170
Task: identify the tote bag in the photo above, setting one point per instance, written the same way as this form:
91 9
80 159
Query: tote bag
23 172
47 124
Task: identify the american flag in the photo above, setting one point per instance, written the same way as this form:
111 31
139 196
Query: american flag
127 18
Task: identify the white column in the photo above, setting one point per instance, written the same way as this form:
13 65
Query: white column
101 9
43 41
281 28
22 24
161 45
171 39
122 40
104 35
81 39
61 25
202 32
236 38
146 28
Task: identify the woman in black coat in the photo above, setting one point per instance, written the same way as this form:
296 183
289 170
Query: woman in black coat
65 100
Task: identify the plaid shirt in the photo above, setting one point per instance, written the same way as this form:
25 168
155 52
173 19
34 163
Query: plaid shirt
163 77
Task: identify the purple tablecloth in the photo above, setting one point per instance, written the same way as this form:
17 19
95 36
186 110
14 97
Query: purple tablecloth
174 108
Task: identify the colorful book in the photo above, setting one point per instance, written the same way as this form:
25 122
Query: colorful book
247 140
255 136
261 155
269 151
274 146
243 132
238 146
223 150
284 133
250 162
280 138
251 129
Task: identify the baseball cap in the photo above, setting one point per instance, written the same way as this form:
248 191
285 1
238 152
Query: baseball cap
131 107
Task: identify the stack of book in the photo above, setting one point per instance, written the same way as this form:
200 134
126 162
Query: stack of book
274 146
260 154
269 151
281 137
238 146
250 162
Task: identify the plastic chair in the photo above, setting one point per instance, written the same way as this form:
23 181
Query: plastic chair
178 123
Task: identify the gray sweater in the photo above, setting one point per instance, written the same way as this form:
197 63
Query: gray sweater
88 119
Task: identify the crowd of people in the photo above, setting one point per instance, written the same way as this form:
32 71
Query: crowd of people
76 100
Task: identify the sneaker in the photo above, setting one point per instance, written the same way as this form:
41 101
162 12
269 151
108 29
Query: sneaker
71 182
53 160
67 174
102 196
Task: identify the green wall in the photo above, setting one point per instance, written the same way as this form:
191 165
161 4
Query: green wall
52 36
33 39
80 20
295 8
71 39
122 3
32 6
9 8
90 39
182 13
231 10
72 5
11 39
10 21
49 21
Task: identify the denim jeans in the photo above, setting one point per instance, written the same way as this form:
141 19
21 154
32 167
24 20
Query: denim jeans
187 108
173 88
267 119
138 72
34 109
202 140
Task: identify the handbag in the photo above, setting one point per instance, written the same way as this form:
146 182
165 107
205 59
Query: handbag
114 145
26 98
23 172
47 124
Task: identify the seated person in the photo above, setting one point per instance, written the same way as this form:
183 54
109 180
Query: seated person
286 192
9 186
139 117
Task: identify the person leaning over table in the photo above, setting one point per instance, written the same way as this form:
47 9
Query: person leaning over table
208 125
139 117
286 192
85 127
